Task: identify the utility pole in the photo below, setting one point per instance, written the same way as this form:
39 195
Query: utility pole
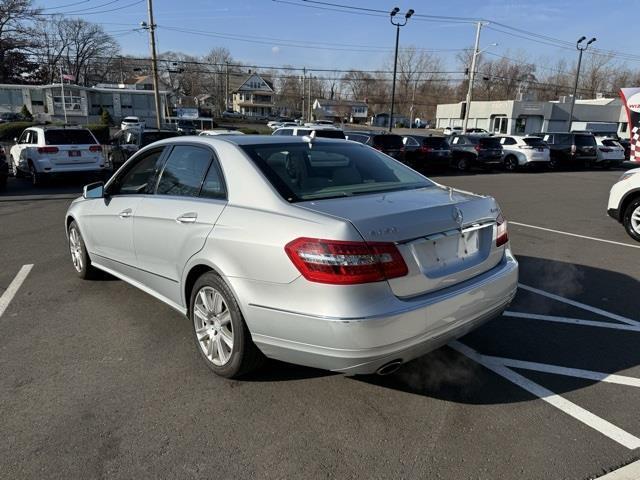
472 75
399 24
226 88
304 77
309 97
580 49
151 26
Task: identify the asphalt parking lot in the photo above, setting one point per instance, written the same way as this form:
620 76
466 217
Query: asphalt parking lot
100 380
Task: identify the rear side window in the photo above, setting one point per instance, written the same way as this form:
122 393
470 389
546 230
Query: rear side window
535 142
388 141
490 142
435 142
150 137
184 171
585 141
330 134
508 141
284 131
69 137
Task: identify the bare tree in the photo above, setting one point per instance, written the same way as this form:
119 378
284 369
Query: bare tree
16 17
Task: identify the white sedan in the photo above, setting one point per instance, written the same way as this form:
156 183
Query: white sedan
624 202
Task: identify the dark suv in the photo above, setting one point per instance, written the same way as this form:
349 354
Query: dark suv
388 143
427 153
570 149
127 142
470 150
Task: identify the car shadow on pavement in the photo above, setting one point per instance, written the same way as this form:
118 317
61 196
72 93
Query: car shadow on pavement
451 376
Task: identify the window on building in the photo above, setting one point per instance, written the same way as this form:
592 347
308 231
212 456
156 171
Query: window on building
521 123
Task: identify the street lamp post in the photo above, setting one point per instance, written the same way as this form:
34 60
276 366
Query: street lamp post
399 24
581 49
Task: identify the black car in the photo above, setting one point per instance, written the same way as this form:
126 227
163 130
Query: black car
427 152
127 142
388 143
4 169
626 144
570 149
186 127
475 150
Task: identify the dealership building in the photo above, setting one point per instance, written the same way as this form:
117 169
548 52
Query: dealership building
520 117
83 104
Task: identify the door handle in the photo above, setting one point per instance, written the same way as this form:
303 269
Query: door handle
187 217
126 213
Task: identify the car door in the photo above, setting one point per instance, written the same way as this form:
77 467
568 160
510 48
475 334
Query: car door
173 224
109 220
17 152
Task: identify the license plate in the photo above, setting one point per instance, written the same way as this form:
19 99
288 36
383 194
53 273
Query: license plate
74 153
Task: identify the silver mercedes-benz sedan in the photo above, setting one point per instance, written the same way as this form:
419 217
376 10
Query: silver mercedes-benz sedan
320 252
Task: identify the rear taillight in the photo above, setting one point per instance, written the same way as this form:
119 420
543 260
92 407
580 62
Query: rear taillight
424 149
95 148
502 235
48 150
345 263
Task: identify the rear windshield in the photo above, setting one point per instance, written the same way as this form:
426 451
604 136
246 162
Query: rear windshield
435 142
330 170
388 141
489 142
607 142
150 137
535 142
69 137
585 141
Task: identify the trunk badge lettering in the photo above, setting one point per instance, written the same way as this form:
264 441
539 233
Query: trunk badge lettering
383 231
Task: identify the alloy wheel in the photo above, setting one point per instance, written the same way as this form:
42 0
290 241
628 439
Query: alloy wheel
75 245
212 321
635 220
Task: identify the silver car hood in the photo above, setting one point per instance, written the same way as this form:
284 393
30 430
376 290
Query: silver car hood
408 214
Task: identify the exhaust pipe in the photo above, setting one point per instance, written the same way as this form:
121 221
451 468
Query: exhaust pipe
389 368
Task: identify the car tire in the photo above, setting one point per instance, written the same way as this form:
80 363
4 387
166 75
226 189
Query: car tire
37 178
462 164
220 333
631 219
79 256
511 163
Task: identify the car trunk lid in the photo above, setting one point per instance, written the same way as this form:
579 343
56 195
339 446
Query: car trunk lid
444 236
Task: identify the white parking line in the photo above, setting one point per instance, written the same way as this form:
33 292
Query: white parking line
628 472
599 424
583 306
565 371
572 321
573 234
13 287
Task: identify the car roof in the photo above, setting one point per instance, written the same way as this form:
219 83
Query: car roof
241 140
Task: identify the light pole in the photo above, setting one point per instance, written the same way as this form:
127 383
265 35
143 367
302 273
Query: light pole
581 49
472 73
400 23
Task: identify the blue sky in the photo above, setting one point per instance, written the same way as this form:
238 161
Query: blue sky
341 33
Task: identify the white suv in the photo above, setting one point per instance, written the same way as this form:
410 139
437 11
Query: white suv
321 131
610 152
624 202
44 151
524 152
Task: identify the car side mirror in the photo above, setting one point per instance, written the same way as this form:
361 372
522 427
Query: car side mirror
93 190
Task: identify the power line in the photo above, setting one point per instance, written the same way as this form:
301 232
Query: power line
94 12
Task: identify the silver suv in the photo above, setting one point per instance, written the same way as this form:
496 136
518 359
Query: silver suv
319 252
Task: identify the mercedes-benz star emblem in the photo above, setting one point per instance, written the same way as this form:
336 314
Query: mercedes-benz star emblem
456 214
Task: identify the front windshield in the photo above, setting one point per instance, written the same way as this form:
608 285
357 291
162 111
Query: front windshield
302 172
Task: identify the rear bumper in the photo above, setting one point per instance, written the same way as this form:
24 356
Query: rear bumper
361 345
